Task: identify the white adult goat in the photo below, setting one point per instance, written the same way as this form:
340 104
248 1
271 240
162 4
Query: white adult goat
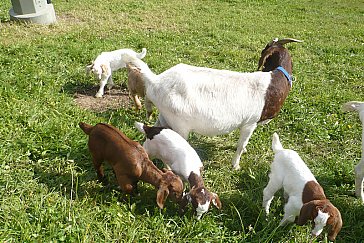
213 102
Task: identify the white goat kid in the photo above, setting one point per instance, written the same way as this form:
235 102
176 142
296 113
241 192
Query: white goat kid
107 62
359 168
214 102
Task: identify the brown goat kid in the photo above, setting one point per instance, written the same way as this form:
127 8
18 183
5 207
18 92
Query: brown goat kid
137 89
130 162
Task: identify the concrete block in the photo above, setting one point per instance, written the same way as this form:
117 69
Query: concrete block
34 11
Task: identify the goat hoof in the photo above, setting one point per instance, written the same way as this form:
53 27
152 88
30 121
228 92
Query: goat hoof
236 167
98 95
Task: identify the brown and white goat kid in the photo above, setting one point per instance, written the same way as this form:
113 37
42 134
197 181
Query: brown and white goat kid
108 62
178 155
130 162
306 198
359 168
214 102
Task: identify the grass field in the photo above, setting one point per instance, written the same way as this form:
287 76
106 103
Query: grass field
48 187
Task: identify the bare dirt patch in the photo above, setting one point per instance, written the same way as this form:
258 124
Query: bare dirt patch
113 99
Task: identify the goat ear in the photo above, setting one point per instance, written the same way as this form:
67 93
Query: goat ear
162 195
88 68
216 200
263 59
307 212
335 225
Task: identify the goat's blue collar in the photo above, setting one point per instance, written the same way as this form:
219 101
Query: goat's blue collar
288 77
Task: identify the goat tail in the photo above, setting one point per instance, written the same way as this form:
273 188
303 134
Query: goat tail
276 144
139 126
86 127
353 106
142 54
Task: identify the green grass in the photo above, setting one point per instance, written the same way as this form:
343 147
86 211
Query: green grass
48 187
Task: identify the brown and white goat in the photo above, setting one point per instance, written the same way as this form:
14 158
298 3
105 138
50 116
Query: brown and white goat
305 197
178 155
199 196
129 161
214 102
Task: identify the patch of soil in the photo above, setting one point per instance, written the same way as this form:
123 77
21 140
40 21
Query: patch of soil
113 99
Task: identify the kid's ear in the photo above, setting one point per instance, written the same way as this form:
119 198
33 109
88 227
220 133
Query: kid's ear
216 200
162 195
335 225
88 68
307 212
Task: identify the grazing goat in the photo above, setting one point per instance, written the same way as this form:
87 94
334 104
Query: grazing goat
136 88
130 162
359 168
182 159
107 62
306 198
213 102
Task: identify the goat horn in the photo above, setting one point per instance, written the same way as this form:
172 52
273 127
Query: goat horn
286 40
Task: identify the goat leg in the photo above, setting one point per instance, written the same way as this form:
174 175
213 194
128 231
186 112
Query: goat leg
245 134
100 171
359 179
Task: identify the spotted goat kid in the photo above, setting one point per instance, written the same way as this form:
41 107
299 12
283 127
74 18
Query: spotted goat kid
305 197
178 155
